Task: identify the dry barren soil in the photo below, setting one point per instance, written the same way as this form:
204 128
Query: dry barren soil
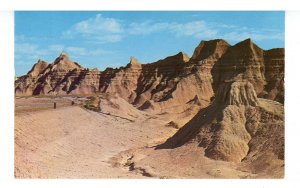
73 142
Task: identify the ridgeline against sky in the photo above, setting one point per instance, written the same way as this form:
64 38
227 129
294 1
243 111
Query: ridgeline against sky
108 39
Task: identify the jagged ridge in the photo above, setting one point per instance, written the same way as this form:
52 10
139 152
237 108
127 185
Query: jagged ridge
237 116
226 82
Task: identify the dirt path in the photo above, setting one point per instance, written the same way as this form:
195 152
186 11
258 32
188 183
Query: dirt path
72 142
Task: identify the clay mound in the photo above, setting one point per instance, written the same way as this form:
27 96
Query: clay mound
225 131
220 128
119 107
114 106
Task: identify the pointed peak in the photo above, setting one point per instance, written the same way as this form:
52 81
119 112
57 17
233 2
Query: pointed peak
40 62
174 59
63 53
183 56
64 56
212 48
248 46
246 42
134 63
64 63
38 68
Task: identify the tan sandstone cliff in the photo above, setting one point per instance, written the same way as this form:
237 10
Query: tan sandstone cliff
238 126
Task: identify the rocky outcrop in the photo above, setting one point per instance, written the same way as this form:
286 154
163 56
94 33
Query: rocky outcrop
274 75
239 90
38 68
145 84
61 77
213 49
236 117
123 81
169 82
246 61
243 61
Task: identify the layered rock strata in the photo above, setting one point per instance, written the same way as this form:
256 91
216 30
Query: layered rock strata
239 90
169 82
62 77
237 118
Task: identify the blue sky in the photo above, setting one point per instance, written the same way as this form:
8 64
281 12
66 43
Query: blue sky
108 39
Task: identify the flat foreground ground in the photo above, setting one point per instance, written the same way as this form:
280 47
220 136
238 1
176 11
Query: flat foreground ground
72 142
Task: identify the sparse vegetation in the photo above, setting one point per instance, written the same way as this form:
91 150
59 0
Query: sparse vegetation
93 103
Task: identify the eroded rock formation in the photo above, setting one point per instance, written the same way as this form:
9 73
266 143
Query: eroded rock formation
169 82
237 118
61 77
237 91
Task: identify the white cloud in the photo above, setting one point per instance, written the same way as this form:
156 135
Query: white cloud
204 30
98 29
146 27
99 24
198 29
194 28
32 52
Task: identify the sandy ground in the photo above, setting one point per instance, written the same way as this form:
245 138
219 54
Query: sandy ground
72 142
